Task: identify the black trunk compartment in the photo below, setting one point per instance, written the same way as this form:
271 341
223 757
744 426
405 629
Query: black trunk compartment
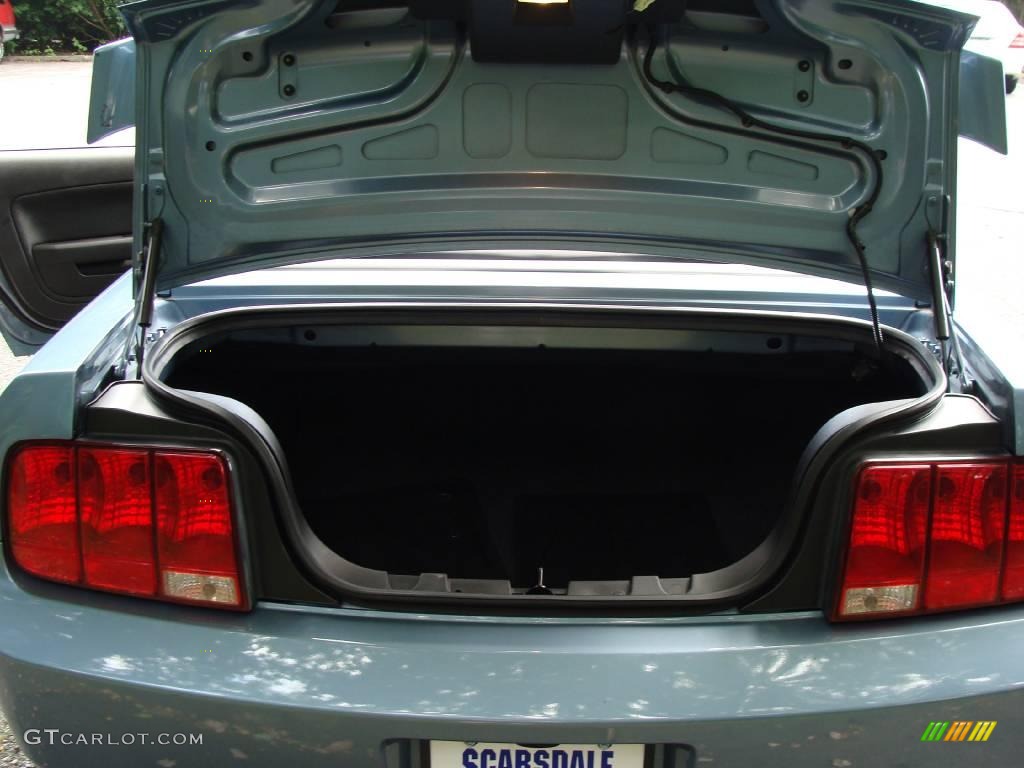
490 463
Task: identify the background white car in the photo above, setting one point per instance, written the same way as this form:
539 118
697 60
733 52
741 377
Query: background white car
997 35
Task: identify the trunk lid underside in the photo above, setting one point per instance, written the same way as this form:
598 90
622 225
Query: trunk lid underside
277 131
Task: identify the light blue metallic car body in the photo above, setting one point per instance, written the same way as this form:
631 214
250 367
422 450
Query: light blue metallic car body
112 101
360 687
333 687
289 684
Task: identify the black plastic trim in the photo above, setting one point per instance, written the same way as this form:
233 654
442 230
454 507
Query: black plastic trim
127 413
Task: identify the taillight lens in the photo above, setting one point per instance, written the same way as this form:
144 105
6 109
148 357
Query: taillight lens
116 513
1013 569
138 521
966 539
885 560
1018 41
42 516
194 542
933 537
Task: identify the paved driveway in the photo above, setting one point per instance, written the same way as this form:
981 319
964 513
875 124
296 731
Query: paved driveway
990 234
9 364
48 102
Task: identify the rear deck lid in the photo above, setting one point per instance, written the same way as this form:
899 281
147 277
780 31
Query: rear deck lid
278 131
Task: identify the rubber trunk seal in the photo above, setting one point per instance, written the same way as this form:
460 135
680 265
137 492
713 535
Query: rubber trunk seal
729 587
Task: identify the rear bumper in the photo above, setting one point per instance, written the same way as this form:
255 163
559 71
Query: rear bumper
10 33
291 686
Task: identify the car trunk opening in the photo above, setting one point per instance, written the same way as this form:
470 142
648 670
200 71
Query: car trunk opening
466 459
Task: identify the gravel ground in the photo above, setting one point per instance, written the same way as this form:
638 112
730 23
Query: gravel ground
9 364
990 226
11 755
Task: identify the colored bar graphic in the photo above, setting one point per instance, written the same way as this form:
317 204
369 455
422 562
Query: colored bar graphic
959 730
934 731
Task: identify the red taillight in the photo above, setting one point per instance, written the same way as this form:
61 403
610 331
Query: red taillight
43 521
137 521
966 542
885 560
1018 41
116 513
933 537
1013 569
194 542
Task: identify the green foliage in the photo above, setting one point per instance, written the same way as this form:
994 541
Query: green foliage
78 26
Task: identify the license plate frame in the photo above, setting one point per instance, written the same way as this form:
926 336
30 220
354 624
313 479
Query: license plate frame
470 754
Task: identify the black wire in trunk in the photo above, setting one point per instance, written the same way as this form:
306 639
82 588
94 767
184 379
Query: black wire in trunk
756 128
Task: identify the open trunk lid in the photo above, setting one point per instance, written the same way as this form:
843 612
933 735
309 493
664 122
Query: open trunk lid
277 131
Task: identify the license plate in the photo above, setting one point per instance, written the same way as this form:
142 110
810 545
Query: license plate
468 754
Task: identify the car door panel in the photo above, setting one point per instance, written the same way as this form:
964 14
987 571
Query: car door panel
77 270
65 230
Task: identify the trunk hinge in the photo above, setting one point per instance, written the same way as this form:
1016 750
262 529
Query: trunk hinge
941 270
145 294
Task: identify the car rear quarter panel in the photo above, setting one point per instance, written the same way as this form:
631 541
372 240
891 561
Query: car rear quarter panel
42 401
